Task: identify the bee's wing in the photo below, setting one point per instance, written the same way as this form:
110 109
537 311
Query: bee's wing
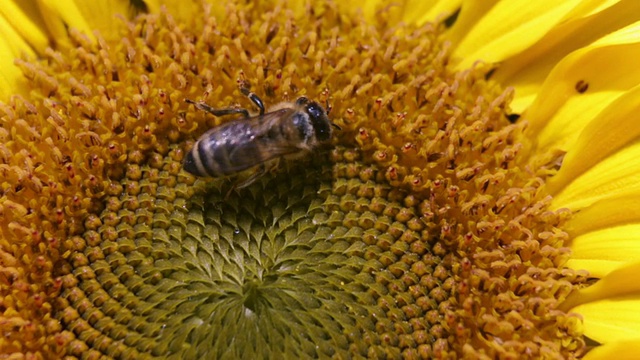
264 141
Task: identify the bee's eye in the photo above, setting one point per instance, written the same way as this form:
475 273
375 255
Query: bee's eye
320 122
315 111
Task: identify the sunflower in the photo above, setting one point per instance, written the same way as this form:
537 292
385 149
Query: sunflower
478 199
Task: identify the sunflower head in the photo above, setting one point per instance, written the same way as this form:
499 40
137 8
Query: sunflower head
419 233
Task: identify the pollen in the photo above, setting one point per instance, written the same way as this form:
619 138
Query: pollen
421 232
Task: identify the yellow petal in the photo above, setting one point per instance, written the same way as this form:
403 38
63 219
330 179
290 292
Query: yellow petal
102 14
58 13
602 225
9 74
154 5
11 79
615 176
613 128
612 320
620 283
508 28
616 245
420 11
616 210
26 22
182 13
561 111
619 350
85 16
471 12
596 267
586 23
611 307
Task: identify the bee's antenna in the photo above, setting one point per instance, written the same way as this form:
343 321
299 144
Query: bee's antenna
329 108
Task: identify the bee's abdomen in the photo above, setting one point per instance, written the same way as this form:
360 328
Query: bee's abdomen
221 152
190 164
201 162
208 158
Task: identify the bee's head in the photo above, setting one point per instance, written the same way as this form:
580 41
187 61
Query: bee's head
318 117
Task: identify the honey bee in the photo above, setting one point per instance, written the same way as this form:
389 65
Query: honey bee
289 129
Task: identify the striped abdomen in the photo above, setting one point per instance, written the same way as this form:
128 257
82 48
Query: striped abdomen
225 150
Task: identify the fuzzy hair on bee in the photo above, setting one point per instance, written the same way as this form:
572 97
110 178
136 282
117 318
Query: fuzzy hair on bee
288 129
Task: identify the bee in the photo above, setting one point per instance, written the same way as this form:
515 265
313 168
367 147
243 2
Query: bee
289 129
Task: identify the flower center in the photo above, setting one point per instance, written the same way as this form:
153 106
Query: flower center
420 233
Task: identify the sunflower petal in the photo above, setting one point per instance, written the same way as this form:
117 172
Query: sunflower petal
620 350
596 267
578 91
613 177
101 14
471 12
26 23
611 307
604 234
619 283
616 245
153 5
616 210
178 11
588 22
508 28
7 78
420 12
60 13
82 15
612 320
11 80
614 128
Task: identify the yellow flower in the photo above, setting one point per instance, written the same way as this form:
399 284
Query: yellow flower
479 200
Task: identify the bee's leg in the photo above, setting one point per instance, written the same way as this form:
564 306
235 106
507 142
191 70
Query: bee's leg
273 165
218 112
226 196
260 170
254 98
